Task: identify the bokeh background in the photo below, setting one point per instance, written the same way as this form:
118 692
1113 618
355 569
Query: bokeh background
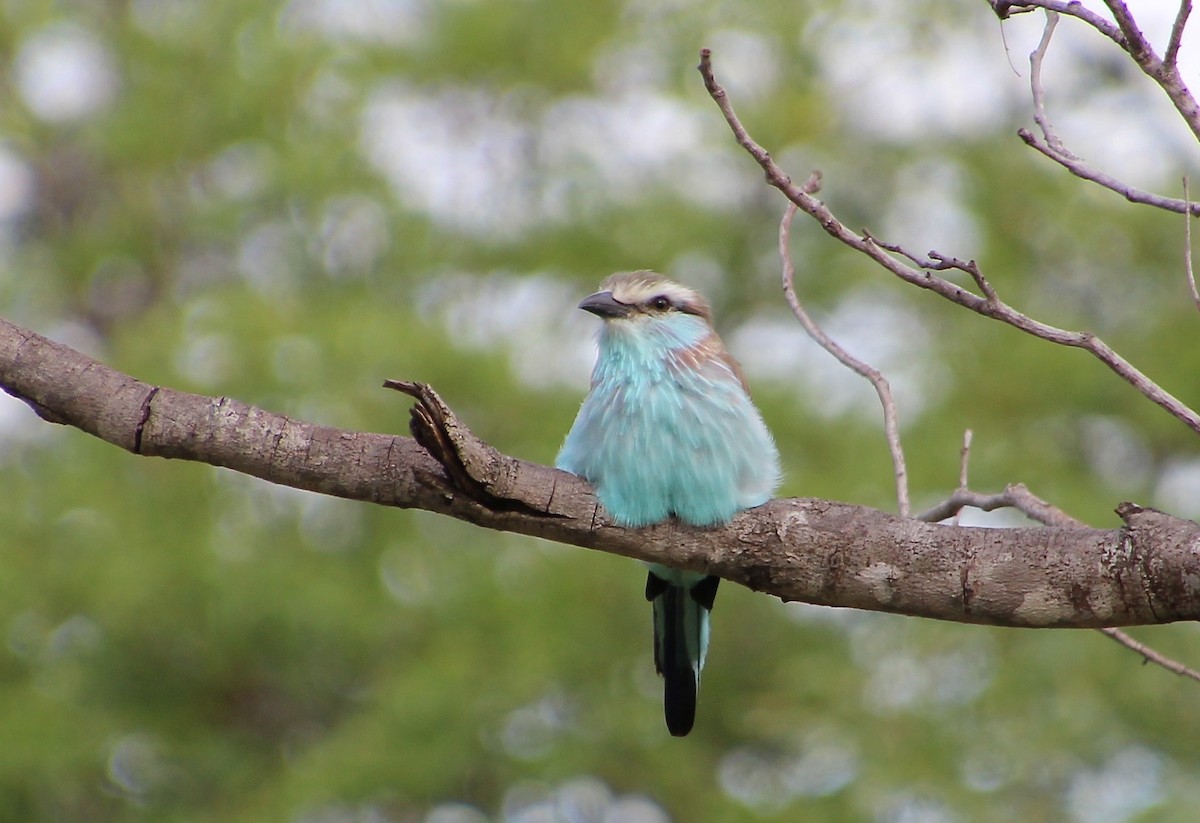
287 202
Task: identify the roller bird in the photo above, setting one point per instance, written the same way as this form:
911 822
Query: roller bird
668 429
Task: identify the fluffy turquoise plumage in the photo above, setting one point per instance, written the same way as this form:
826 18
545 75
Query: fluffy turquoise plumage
668 429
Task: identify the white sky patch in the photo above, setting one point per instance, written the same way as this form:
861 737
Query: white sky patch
1178 489
16 185
20 427
1145 150
977 518
750 63
1116 451
904 680
887 336
330 524
820 763
353 235
296 359
625 142
269 256
245 507
899 83
207 360
389 22
927 211
532 318
1122 124
986 768
582 798
455 813
65 73
137 764
1129 783
624 64
912 807
239 172
459 154
484 163
905 79
607 151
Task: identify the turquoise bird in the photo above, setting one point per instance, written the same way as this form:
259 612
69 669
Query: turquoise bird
668 429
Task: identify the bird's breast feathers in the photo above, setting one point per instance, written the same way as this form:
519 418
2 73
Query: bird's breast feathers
670 430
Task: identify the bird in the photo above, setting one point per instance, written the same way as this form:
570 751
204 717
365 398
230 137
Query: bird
668 429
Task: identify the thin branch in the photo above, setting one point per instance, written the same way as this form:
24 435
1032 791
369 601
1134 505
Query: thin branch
1084 171
1015 496
1039 92
1053 147
964 463
1171 56
1187 255
1071 8
1129 38
924 278
891 423
1150 655
964 458
1008 51
1136 44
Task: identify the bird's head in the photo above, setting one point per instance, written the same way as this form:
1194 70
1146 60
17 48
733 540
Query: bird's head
645 304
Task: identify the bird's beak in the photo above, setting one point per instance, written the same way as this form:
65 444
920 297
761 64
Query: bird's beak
603 304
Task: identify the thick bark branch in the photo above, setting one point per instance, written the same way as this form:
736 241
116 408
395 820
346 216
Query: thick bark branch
816 551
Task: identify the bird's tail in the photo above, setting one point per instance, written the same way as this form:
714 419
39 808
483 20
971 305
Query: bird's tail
681 607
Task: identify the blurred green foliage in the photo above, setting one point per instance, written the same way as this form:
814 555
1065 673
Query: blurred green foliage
289 202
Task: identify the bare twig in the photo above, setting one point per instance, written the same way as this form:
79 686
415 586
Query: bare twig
1187 255
891 422
1015 496
1164 71
1128 36
1070 8
988 306
964 464
1039 92
964 459
1083 170
1008 51
1052 146
1171 56
1136 44
1150 655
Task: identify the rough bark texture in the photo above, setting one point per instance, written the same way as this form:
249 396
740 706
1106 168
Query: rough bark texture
818 551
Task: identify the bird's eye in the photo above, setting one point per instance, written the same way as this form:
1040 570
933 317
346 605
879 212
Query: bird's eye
660 303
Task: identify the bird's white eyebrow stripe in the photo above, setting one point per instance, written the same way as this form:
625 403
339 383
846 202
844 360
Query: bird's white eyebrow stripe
635 288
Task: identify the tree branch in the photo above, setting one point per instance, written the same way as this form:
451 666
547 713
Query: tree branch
1149 655
1015 496
1019 497
1187 248
1127 35
989 305
817 551
1052 146
1072 8
1171 56
891 422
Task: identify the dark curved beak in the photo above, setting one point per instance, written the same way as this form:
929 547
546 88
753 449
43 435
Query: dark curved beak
603 304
